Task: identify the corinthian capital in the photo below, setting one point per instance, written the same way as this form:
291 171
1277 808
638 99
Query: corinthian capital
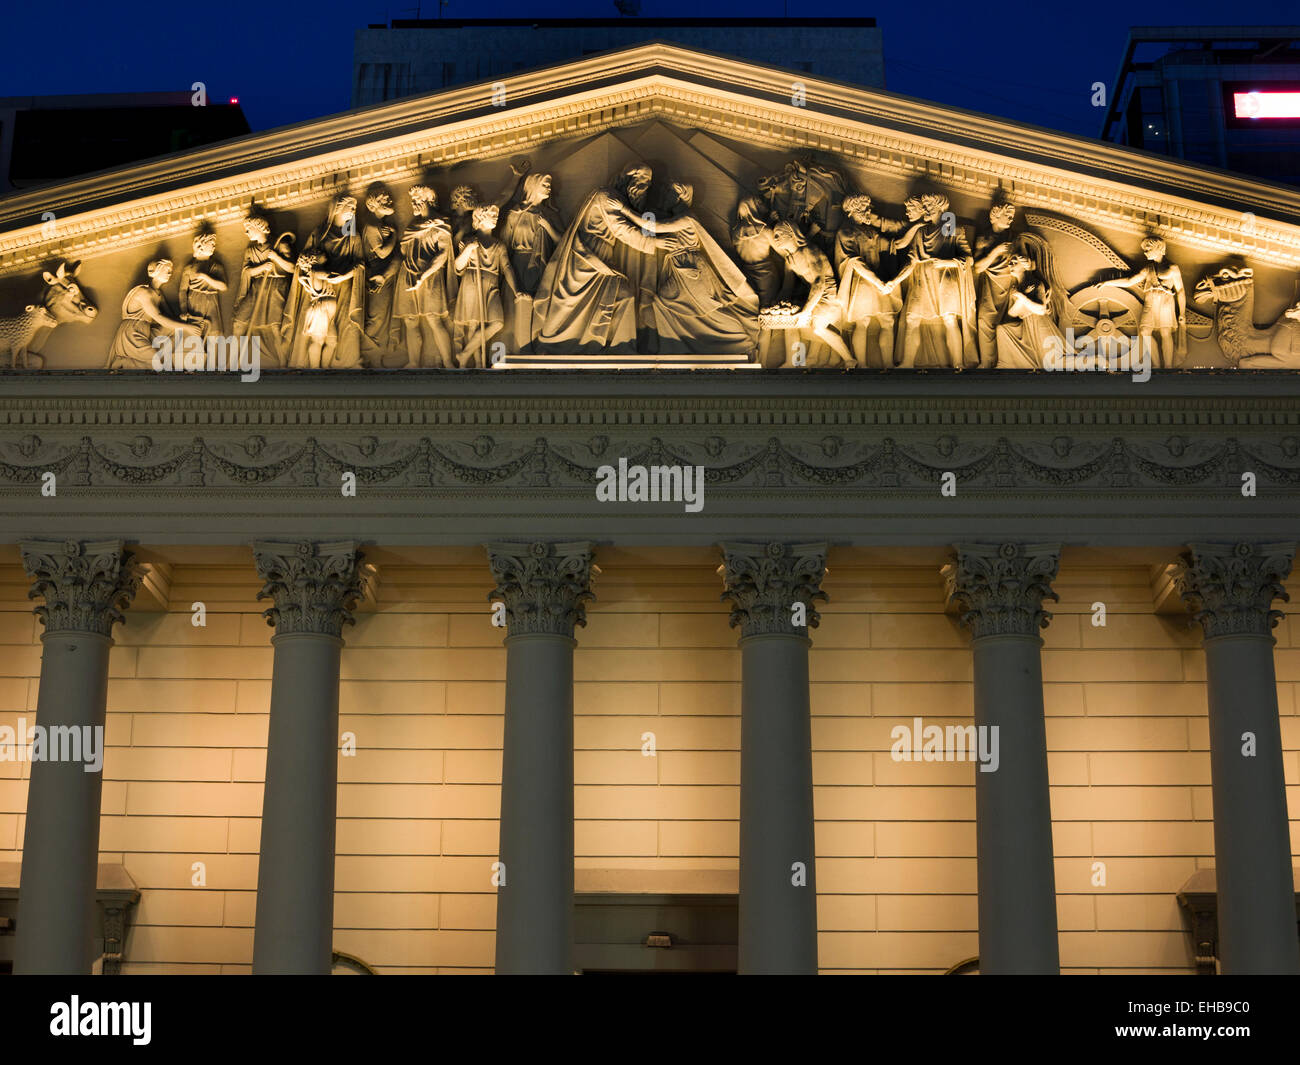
999 588
1231 587
314 585
86 586
766 582
545 586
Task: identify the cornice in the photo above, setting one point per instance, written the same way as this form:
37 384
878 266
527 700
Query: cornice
630 409
1091 181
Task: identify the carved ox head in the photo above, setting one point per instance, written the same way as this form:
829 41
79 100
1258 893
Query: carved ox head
64 301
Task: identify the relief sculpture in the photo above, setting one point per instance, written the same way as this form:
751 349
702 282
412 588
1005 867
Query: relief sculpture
803 260
325 312
62 301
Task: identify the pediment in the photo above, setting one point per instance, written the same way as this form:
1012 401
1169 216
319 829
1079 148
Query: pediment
717 124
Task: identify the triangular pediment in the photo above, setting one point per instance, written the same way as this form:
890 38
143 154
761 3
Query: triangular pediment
718 124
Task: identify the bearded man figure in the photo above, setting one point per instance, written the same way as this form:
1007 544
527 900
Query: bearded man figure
597 291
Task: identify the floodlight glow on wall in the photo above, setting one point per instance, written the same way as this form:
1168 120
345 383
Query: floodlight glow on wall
1266 104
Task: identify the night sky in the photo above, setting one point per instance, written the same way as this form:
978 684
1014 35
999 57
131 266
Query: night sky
291 62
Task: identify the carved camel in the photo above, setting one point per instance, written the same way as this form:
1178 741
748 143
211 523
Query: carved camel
1233 294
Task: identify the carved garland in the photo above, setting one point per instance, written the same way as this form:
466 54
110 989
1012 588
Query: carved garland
979 464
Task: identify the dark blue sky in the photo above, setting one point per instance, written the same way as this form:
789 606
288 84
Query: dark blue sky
290 62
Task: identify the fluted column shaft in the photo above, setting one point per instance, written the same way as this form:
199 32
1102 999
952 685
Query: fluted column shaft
1231 587
314 588
85 587
545 588
999 590
773 588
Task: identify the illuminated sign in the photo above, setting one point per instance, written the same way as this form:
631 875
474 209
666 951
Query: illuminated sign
1258 104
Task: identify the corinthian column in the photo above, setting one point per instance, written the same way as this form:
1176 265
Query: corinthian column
86 586
314 588
1231 588
772 588
999 589
545 588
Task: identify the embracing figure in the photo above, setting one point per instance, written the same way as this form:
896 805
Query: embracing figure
703 305
596 293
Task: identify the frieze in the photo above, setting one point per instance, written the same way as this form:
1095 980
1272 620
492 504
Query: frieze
812 272
980 464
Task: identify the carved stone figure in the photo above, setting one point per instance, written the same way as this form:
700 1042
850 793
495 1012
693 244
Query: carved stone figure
426 284
595 295
821 310
484 269
1164 304
263 285
333 257
993 251
62 301
531 231
319 309
145 315
808 196
940 281
1232 291
379 245
202 282
762 265
462 201
1029 328
703 305
864 297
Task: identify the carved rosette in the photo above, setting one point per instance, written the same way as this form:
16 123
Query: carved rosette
545 586
315 586
999 589
764 582
1231 587
86 586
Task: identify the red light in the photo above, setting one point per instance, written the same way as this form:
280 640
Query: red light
1266 104
234 99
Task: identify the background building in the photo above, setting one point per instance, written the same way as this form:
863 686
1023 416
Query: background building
412 56
48 138
1226 96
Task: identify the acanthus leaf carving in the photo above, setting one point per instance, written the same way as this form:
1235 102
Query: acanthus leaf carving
766 582
999 589
545 586
86 587
314 586
1231 587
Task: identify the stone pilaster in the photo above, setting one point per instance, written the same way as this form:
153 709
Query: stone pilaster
998 590
545 588
85 588
314 587
1230 589
771 588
